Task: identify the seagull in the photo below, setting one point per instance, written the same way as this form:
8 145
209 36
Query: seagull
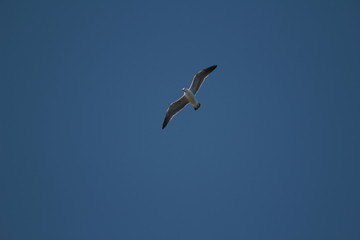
189 95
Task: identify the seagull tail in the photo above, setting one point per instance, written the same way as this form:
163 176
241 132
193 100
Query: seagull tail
197 107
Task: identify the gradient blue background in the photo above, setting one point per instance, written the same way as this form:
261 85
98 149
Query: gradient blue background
273 152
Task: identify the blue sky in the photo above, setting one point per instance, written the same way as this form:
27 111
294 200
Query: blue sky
273 152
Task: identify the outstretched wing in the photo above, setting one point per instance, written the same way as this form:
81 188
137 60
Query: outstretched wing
174 108
200 77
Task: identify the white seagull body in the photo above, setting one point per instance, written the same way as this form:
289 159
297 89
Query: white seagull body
189 95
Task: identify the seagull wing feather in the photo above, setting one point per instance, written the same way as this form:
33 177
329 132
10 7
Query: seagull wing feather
173 109
199 78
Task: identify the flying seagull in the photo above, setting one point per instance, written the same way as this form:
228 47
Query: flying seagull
189 95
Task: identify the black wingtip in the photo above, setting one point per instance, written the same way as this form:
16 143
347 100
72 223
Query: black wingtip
164 124
212 68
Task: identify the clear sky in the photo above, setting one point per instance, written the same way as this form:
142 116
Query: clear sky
273 152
